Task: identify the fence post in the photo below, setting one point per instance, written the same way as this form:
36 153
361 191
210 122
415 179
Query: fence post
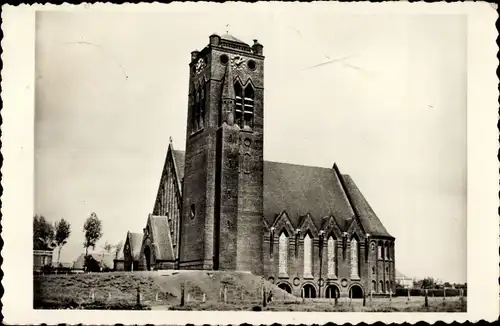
182 294
390 295
188 297
138 295
225 293
364 300
444 293
264 301
350 297
109 295
337 294
302 295
426 299
204 297
156 297
408 299
371 297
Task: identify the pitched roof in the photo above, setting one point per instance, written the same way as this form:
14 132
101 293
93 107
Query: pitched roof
161 237
135 242
369 220
300 189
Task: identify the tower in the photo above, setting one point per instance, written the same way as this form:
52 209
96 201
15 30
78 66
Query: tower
222 209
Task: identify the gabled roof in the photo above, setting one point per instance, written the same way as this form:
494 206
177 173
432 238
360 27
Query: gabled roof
135 243
369 220
161 237
300 189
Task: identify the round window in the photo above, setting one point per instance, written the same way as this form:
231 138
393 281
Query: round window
224 59
251 65
192 213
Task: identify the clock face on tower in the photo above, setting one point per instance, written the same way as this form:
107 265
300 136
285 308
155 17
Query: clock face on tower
200 65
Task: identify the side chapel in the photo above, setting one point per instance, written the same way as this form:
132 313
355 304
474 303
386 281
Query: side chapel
221 206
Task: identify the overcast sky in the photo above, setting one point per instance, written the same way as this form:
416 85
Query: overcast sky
112 87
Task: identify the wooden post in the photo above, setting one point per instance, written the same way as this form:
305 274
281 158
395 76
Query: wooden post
371 297
337 298
188 297
92 295
408 299
225 294
264 301
182 294
303 295
444 293
426 299
156 297
109 295
204 297
364 300
350 297
390 295
138 295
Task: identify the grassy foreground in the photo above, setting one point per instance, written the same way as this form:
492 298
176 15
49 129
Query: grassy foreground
161 290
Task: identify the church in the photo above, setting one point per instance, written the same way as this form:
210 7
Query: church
221 206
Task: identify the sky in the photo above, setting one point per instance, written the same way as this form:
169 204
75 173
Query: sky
390 110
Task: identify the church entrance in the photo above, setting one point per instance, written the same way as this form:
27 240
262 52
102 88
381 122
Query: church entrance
332 291
285 287
356 292
308 291
147 254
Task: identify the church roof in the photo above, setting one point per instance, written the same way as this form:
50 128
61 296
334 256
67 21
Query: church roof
369 220
135 242
161 237
321 192
300 189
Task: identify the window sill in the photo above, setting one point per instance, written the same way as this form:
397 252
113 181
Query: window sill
332 277
283 276
355 278
308 277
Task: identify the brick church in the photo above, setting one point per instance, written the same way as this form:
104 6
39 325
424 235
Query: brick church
221 206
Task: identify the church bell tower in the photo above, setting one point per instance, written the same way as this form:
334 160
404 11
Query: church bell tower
222 208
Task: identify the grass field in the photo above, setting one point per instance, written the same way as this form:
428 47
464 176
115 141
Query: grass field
203 291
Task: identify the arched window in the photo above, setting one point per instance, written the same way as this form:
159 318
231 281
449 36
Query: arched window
244 105
332 266
238 104
248 107
380 251
374 286
308 256
387 253
283 254
354 259
387 288
381 287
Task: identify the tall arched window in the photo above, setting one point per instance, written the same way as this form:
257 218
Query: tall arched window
248 107
380 251
354 258
332 266
308 257
283 254
381 287
374 287
244 105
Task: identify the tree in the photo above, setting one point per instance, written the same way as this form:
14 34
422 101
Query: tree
43 234
118 248
108 247
428 283
93 232
63 230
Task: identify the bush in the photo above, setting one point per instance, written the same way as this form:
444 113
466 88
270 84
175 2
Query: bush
430 292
